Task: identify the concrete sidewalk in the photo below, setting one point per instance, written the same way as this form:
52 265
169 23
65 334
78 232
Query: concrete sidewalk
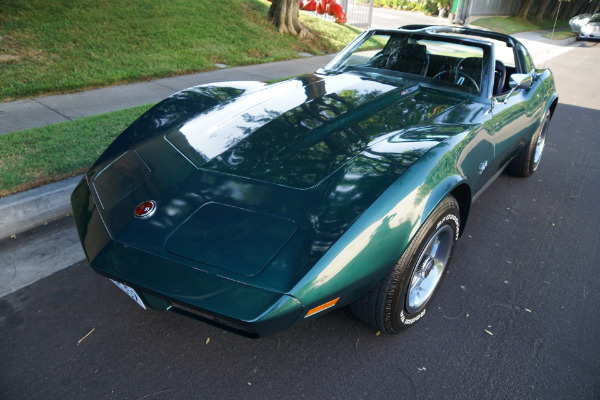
40 111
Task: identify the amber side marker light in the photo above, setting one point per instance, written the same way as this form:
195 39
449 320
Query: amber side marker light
321 307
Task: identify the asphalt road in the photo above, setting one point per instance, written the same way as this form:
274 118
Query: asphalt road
526 270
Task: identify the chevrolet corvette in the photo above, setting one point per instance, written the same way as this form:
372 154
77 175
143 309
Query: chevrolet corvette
256 207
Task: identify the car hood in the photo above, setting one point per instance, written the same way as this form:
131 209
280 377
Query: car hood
296 133
256 182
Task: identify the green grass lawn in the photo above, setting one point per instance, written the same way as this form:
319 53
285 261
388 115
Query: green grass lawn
510 25
59 46
35 157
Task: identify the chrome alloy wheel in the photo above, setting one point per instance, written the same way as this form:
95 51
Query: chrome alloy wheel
429 268
541 142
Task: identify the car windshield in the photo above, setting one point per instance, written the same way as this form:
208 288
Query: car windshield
444 61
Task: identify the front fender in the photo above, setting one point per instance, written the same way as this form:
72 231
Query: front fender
372 245
550 92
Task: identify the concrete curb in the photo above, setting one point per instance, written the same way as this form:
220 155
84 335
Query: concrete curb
34 207
537 36
564 42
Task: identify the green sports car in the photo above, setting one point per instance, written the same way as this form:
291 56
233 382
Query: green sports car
258 206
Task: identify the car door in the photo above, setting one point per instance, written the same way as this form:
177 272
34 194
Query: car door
516 116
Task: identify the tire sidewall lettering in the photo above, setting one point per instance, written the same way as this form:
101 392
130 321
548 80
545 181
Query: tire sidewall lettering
410 321
453 218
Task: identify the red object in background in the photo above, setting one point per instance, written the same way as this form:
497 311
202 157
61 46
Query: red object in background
310 6
321 7
300 5
336 10
325 6
328 8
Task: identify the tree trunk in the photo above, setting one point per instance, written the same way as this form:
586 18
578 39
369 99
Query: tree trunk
542 10
554 10
524 9
284 15
589 9
581 7
593 7
570 11
565 9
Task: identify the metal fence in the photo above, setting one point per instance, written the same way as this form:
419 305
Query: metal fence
493 7
358 12
471 9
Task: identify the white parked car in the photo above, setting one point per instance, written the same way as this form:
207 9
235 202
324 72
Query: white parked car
591 30
578 21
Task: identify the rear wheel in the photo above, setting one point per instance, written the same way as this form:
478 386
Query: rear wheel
528 160
401 297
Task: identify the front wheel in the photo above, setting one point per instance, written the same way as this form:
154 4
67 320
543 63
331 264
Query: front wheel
401 297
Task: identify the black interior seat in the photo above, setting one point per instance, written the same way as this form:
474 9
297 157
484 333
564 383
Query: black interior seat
411 58
499 78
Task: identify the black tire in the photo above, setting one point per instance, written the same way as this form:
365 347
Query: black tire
528 159
387 307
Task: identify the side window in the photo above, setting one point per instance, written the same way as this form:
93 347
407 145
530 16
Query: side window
525 59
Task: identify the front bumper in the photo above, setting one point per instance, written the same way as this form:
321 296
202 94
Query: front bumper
589 35
165 284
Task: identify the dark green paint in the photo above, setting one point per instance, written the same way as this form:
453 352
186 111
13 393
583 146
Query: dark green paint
256 238
272 200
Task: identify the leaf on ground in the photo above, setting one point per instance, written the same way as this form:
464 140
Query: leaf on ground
528 310
488 332
378 333
207 340
83 338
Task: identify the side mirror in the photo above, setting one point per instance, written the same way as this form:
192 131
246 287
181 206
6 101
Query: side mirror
518 81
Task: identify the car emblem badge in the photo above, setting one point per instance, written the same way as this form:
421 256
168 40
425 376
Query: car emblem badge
145 209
